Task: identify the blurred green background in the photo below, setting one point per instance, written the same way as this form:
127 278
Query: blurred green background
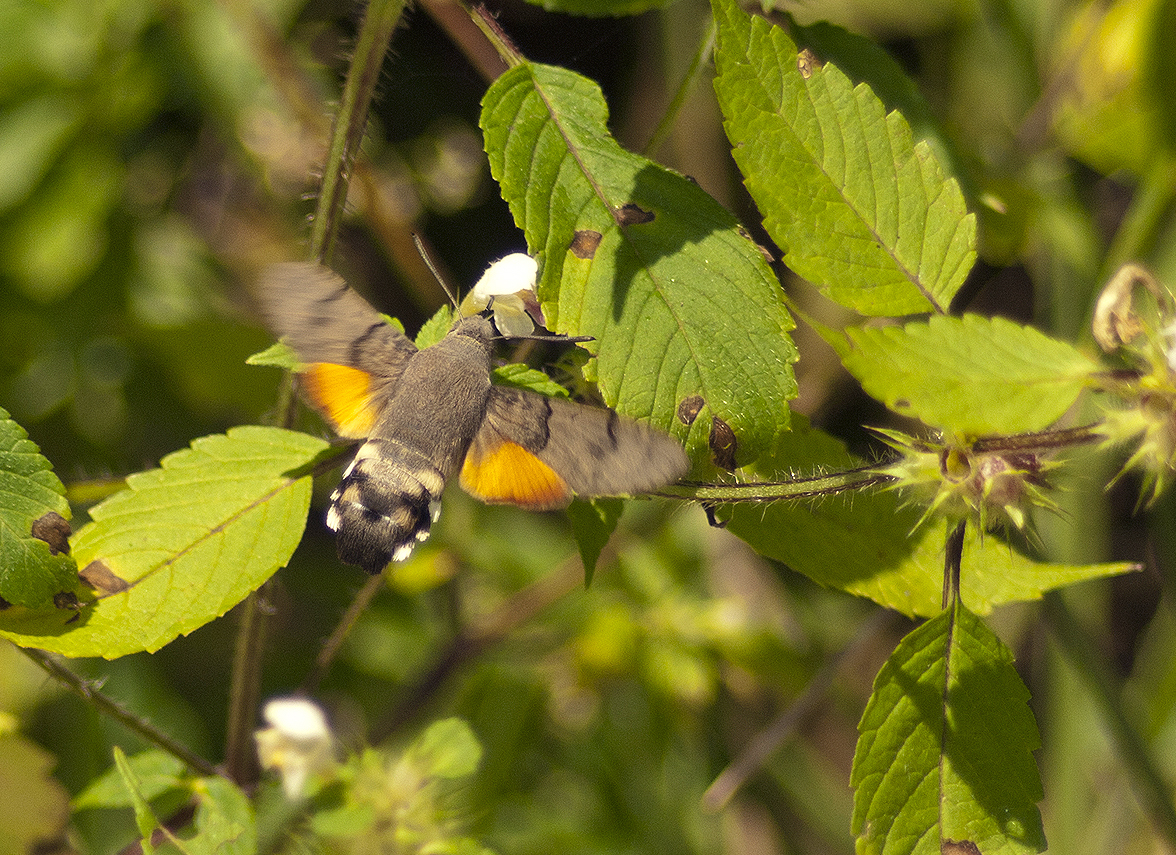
155 155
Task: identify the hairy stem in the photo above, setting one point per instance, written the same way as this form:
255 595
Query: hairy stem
770 491
375 33
86 690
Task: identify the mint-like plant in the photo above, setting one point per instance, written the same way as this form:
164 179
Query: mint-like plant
690 329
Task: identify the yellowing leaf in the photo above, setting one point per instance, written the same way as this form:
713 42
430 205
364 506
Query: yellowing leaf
182 545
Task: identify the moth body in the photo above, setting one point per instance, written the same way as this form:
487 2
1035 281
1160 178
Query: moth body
426 414
390 495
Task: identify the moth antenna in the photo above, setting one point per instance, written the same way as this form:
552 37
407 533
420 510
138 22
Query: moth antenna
428 259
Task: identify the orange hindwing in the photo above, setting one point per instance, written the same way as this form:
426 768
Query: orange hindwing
501 472
344 396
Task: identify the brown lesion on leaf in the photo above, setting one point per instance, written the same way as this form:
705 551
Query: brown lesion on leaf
54 529
68 601
689 408
585 242
807 62
959 847
102 579
632 214
723 444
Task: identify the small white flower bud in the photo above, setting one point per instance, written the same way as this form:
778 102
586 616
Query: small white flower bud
297 744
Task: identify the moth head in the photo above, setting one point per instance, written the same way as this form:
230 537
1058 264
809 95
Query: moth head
477 327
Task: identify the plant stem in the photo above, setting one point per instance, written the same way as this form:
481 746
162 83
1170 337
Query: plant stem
245 687
953 558
756 753
142 727
1153 792
770 491
689 82
375 33
488 24
330 649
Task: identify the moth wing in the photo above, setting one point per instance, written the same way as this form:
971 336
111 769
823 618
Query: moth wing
590 450
499 471
354 358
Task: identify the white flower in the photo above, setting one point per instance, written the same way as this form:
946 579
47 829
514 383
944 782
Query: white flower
509 285
297 744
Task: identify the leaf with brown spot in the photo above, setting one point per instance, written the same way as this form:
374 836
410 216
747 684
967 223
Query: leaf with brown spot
723 444
584 243
633 215
184 543
54 529
102 579
689 408
32 567
678 301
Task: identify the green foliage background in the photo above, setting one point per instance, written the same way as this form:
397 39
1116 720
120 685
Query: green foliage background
154 156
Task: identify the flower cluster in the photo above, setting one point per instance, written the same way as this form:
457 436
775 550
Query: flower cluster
1135 318
993 479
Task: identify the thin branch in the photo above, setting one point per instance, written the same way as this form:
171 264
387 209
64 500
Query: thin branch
458 23
85 689
375 33
474 640
485 21
245 688
687 85
761 747
334 643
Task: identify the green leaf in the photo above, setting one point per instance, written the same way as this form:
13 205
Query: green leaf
867 544
946 746
432 330
520 376
224 820
277 355
862 59
183 545
971 375
593 522
145 818
447 749
860 209
678 300
156 772
30 574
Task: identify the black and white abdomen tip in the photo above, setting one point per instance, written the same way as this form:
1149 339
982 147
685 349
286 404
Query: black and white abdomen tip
384 505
